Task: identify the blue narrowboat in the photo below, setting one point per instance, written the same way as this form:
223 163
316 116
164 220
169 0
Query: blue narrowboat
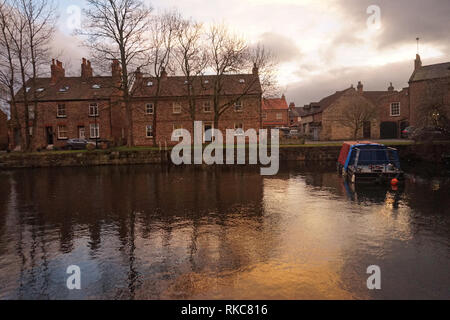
368 161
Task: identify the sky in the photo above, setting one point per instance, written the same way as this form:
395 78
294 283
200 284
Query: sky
322 45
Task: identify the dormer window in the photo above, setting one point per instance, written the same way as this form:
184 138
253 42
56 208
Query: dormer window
64 89
149 84
186 82
40 90
206 81
96 86
27 89
241 80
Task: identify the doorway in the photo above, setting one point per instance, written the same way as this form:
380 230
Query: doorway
49 135
81 132
207 132
367 132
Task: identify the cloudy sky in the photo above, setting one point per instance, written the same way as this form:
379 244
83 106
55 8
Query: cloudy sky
322 45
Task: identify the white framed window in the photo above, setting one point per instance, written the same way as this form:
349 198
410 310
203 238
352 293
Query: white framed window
62 132
94 131
279 116
149 131
149 108
93 110
207 107
238 106
31 112
177 126
395 109
176 107
61 111
238 129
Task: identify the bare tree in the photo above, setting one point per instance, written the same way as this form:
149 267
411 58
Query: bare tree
357 112
192 60
116 30
164 29
228 54
27 27
267 64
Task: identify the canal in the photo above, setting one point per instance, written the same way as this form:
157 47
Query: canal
150 232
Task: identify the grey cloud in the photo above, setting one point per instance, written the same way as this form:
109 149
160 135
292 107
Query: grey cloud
403 20
283 47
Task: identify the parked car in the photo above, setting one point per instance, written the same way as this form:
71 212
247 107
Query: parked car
77 144
430 134
294 134
408 132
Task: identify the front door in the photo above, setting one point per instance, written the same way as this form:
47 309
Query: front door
81 133
207 132
49 135
367 130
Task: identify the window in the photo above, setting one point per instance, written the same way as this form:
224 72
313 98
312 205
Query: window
207 106
95 131
40 90
176 127
238 129
64 89
62 132
149 84
61 111
395 109
238 106
176 107
93 110
241 80
264 115
149 131
31 112
96 86
149 108
279 116
30 131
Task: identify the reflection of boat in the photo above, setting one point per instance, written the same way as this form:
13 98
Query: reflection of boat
363 192
368 161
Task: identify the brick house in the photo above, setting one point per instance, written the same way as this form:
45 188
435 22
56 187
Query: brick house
295 115
3 130
242 91
275 113
426 81
71 107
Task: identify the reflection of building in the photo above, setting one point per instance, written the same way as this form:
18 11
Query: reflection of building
275 113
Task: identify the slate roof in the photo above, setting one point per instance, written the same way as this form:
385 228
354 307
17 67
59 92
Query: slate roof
318 107
176 86
77 88
434 71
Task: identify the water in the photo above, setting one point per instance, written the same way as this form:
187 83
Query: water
149 232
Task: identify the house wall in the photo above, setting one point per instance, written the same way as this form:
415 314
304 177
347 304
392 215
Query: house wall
419 89
77 115
332 129
249 117
271 121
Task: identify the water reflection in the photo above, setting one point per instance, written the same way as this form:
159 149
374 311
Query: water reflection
177 233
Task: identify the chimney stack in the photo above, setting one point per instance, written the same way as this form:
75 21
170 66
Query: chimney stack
163 73
116 70
360 87
86 69
139 76
417 62
57 71
255 70
391 88
292 106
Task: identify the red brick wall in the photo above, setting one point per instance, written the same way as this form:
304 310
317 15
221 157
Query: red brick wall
250 117
77 115
271 121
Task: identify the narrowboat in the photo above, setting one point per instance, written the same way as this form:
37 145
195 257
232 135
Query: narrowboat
369 161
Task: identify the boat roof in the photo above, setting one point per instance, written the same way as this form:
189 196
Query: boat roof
360 143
